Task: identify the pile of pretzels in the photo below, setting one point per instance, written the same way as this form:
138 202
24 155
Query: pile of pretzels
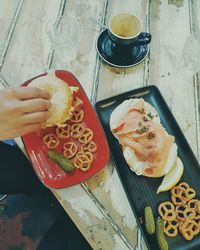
78 144
182 214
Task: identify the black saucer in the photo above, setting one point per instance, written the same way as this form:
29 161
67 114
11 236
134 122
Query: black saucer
119 56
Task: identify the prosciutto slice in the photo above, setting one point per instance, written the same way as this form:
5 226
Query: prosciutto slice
148 140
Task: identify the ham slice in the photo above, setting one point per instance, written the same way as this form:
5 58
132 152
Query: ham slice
148 140
133 120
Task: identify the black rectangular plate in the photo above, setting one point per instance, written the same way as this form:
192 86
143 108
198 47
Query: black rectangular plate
141 191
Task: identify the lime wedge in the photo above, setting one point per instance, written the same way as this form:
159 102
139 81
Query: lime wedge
172 177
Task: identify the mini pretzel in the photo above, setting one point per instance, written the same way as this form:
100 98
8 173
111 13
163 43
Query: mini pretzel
179 195
177 200
86 136
176 190
183 185
180 226
69 149
77 103
192 204
91 147
50 140
76 130
197 207
63 132
189 229
82 162
197 219
171 228
190 193
166 211
88 154
183 213
77 116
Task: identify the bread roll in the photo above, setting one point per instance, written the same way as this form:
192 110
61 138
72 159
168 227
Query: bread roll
61 98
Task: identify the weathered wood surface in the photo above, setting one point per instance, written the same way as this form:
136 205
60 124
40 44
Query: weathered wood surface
99 207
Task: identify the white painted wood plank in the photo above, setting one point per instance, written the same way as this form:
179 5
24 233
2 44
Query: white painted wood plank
197 13
7 12
170 27
84 65
195 26
29 47
93 221
109 192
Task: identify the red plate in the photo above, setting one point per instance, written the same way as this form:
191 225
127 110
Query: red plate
49 172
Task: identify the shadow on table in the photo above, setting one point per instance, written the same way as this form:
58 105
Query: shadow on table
32 222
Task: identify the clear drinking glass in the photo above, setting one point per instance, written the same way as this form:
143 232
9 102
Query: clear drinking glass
63 34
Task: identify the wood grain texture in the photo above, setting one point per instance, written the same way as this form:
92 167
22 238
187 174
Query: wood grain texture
99 207
84 64
195 29
165 65
93 220
29 46
9 12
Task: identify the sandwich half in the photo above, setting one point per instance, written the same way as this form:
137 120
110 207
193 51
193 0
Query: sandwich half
61 98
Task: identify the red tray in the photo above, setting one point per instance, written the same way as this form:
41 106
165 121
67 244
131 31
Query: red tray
50 174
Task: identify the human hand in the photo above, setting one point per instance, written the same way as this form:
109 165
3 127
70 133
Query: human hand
22 110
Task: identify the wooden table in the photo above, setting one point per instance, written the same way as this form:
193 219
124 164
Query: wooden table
99 207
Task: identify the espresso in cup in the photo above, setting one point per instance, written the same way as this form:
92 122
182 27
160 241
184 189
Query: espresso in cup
126 29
